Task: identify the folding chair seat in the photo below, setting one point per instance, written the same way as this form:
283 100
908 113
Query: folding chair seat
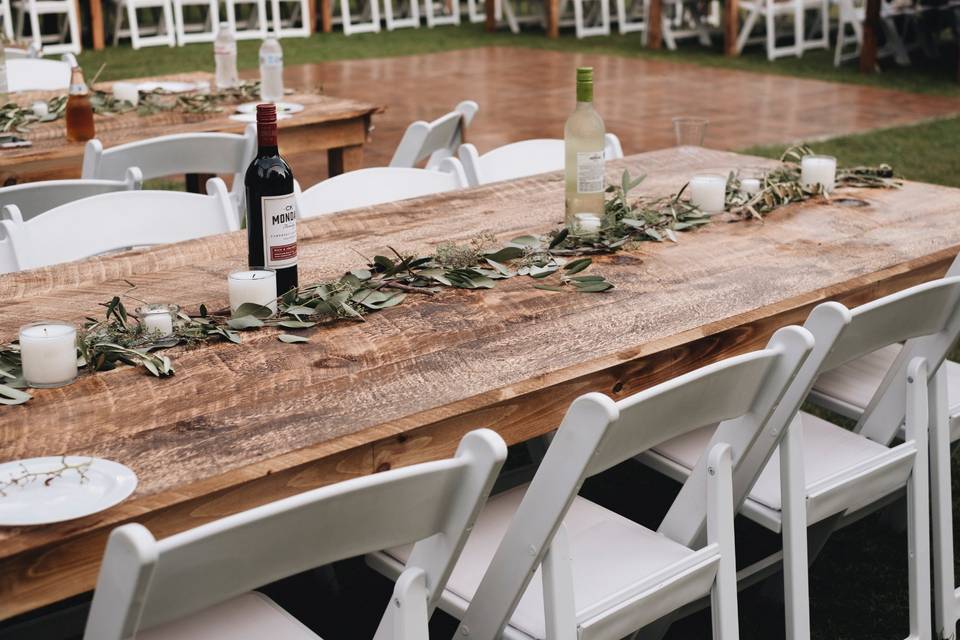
251 616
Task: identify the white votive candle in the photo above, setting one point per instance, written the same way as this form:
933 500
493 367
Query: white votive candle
40 108
750 186
157 319
820 170
48 353
708 192
256 286
126 91
587 224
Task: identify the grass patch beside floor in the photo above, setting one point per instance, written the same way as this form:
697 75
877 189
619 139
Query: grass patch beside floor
924 152
938 76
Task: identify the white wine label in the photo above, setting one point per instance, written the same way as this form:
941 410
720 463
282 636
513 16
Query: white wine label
590 171
267 59
279 230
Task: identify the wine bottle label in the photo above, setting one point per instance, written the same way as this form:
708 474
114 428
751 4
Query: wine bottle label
267 59
279 230
589 171
77 89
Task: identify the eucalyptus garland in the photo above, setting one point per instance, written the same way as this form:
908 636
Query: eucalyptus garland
556 261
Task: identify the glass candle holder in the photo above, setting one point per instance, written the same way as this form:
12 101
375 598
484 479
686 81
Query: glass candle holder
158 319
708 192
40 108
690 131
127 92
255 284
820 170
751 180
48 353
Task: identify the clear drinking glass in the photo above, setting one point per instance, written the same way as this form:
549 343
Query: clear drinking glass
690 131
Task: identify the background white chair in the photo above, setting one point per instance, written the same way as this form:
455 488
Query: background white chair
590 17
196 584
476 11
7 16
435 140
366 19
287 27
521 159
441 12
850 18
66 39
603 576
36 74
410 20
177 154
631 16
113 221
163 34
34 198
367 187
203 31
255 26
771 10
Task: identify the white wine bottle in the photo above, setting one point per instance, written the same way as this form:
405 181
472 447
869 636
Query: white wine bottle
583 142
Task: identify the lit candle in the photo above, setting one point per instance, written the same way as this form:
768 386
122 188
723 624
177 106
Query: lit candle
256 286
820 170
708 192
40 108
587 224
48 353
157 319
126 91
750 186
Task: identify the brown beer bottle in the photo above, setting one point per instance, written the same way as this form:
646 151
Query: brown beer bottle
79 109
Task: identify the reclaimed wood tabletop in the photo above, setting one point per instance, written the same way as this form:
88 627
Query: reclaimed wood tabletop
327 123
241 425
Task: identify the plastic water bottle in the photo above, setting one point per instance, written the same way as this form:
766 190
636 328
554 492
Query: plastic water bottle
225 56
271 70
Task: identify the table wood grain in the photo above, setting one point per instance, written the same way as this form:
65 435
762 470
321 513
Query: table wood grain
240 425
339 126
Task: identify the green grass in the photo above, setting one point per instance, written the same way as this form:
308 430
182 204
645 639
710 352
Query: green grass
936 77
925 152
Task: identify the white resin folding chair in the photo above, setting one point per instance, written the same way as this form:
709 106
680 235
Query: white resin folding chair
560 567
590 17
197 584
367 187
255 26
203 31
66 39
114 221
824 471
177 154
34 198
410 13
434 141
851 15
36 74
288 27
476 10
368 20
7 16
631 16
442 12
163 34
770 11
521 159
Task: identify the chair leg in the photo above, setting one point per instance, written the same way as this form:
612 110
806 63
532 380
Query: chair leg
918 502
747 29
771 33
945 599
408 606
720 513
799 38
794 513
132 20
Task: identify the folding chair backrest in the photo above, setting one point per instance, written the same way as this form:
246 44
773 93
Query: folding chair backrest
367 187
435 140
33 198
177 154
144 582
113 221
35 74
598 433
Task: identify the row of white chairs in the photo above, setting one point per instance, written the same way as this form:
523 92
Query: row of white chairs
540 562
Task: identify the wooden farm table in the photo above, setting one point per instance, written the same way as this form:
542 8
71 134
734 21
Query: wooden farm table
338 126
241 425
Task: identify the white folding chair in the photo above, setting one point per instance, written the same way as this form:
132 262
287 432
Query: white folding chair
631 17
435 140
476 11
114 221
521 159
287 27
255 26
7 16
36 74
851 15
560 567
771 10
177 154
203 31
442 12
592 20
34 198
367 187
824 471
410 20
67 37
368 21
196 584
163 34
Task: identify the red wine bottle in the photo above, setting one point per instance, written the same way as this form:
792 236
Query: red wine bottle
271 206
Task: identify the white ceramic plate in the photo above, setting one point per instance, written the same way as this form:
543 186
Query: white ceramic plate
169 87
65 497
282 107
252 117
